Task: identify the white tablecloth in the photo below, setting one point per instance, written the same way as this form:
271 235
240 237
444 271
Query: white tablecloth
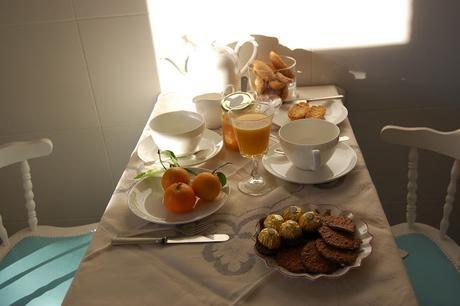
230 272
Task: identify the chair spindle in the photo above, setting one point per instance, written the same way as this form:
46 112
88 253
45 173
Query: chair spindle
450 197
412 186
29 195
3 233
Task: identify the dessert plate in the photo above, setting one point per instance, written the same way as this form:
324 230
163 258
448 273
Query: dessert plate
361 232
145 200
209 146
335 112
342 161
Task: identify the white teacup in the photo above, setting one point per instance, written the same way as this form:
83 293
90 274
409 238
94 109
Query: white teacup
309 143
208 105
179 131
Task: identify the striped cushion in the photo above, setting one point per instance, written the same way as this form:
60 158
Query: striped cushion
39 270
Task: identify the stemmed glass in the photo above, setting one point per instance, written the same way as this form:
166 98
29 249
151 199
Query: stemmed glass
252 129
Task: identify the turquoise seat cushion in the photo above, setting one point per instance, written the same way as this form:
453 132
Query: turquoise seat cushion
434 278
39 270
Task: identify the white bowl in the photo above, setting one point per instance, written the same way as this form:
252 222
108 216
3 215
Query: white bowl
179 131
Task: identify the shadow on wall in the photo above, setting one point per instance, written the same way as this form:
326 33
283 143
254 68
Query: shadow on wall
415 84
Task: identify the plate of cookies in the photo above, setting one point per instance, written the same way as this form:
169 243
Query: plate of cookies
330 110
312 241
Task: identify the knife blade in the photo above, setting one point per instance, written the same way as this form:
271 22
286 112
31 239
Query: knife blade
314 99
172 240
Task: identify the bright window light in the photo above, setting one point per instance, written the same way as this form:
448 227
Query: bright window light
326 24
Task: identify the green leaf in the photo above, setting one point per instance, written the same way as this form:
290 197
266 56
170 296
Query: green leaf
152 172
172 156
222 178
159 157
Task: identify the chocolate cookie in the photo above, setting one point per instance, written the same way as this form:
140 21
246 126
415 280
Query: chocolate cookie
290 259
340 223
345 257
339 239
314 262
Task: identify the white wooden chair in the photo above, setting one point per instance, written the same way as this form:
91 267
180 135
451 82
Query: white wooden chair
37 264
433 261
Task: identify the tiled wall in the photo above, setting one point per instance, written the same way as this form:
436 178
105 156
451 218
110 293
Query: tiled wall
82 73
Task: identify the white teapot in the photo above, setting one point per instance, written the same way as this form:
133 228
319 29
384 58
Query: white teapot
212 68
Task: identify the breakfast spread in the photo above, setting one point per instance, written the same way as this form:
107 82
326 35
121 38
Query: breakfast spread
307 241
275 77
303 110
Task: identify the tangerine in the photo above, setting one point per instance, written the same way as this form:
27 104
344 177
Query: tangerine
179 198
174 175
206 186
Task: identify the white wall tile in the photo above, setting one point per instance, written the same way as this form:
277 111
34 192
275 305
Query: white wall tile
105 8
120 143
44 82
121 63
74 182
27 11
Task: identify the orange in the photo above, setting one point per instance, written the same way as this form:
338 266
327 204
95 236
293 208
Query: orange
206 186
174 175
179 198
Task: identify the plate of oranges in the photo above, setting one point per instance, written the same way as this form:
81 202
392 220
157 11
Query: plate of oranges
178 196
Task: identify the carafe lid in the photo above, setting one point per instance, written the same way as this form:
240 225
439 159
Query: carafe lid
236 101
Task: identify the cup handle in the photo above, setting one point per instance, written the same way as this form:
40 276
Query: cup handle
255 45
316 159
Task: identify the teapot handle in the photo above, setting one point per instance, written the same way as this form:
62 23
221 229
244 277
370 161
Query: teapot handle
255 45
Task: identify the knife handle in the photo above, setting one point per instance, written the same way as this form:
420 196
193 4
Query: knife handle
138 240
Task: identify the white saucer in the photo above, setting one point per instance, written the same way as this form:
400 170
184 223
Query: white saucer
342 162
335 112
145 200
211 141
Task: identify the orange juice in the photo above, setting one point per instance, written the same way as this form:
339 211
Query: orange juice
253 132
228 133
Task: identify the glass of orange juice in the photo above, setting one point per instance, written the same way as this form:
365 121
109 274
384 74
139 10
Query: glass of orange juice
252 127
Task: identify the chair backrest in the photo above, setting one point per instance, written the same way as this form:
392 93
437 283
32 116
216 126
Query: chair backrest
445 143
20 152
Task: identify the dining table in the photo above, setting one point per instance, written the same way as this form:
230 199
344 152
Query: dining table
230 273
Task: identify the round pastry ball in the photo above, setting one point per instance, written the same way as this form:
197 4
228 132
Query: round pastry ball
292 213
273 221
291 233
310 221
269 238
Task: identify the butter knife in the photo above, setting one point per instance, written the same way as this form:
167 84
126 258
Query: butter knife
167 240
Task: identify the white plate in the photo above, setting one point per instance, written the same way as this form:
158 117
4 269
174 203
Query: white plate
147 149
342 161
361 232
145 200
335 112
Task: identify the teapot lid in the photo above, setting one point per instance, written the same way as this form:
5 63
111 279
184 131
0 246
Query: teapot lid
237 101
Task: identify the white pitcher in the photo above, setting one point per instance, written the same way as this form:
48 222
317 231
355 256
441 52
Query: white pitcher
212 68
